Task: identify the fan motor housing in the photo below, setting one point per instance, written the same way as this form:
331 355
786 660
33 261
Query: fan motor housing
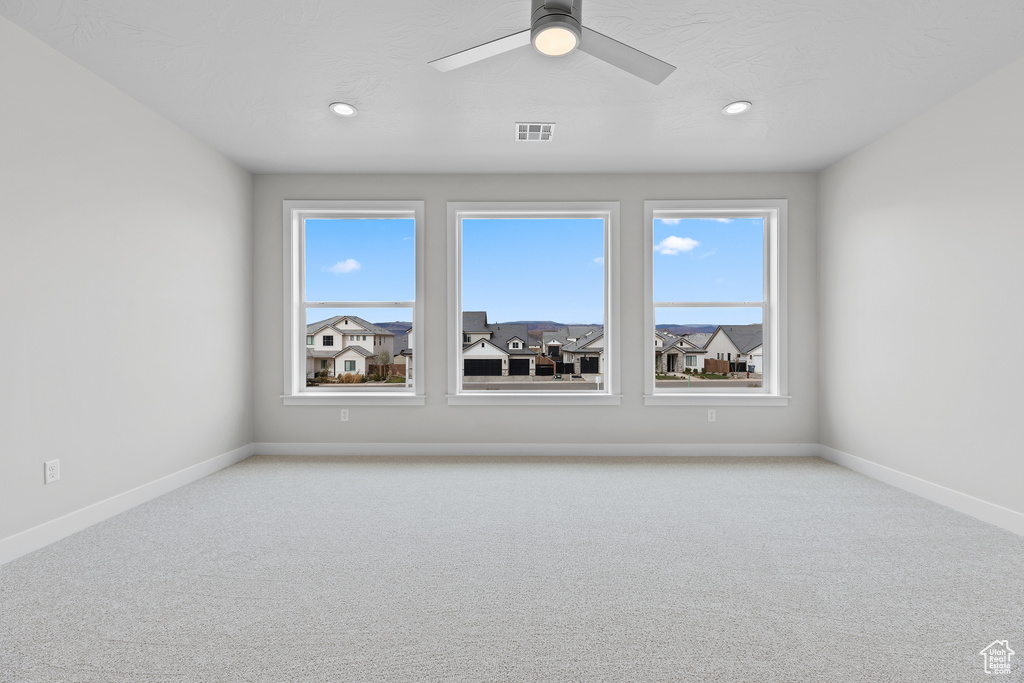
567 14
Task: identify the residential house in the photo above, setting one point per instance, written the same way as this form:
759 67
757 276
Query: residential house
495 350
675 354
663 340
344 344
403 352
740 345
585 351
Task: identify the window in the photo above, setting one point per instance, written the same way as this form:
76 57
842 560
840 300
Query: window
715 280
571 249
353 270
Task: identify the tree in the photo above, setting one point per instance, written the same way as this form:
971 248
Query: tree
383 361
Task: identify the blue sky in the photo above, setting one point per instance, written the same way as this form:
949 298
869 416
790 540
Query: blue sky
547 269
360 260
534 269
708 259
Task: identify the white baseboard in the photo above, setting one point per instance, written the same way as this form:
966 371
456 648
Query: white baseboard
997 515
539 449
44 534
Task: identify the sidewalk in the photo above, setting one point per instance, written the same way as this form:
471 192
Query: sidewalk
519 379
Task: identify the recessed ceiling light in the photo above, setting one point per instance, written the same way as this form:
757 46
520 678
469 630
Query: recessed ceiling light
737 108
343 109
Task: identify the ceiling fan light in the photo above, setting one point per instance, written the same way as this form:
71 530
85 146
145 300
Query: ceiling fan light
556 41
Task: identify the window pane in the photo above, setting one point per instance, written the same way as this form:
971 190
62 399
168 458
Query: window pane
708 259
708 349
345 348
533 304
360 259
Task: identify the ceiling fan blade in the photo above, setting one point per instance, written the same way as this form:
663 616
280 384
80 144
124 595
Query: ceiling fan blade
475 54
625 57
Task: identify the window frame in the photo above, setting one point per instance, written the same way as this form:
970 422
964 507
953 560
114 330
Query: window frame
610 392
774 390
296 212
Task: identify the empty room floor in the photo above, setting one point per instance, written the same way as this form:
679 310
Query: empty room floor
519 569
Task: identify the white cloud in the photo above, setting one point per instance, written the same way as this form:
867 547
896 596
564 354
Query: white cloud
671 246
724 220
708 253
599 260
346 266
670 221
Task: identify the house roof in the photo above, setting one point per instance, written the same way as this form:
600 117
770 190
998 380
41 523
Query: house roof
501 335
578 331
322 353
698 338
313 328
581 343
358 349
744 337
474 321
553 337
401 344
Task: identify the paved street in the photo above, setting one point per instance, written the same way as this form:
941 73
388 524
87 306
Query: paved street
576 385
706 384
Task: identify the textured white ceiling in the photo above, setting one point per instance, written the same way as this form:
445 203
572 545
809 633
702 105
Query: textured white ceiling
253 78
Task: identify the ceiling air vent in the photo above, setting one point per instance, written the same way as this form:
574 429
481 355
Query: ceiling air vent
534 132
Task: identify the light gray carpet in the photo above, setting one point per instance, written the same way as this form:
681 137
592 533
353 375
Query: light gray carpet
348 569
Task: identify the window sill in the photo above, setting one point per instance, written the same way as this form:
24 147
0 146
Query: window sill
533 399
363 399
715 400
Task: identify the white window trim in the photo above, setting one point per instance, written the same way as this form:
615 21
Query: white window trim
610 388
295 212
774 319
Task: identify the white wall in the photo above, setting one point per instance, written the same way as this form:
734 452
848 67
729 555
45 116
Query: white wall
120 228
920 251
630 422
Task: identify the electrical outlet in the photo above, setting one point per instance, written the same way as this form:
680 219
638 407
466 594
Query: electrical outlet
51 471
712 416
344 414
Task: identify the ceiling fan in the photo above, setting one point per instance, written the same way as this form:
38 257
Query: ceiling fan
556 29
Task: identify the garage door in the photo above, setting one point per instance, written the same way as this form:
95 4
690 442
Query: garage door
482 366
519 366
588 365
